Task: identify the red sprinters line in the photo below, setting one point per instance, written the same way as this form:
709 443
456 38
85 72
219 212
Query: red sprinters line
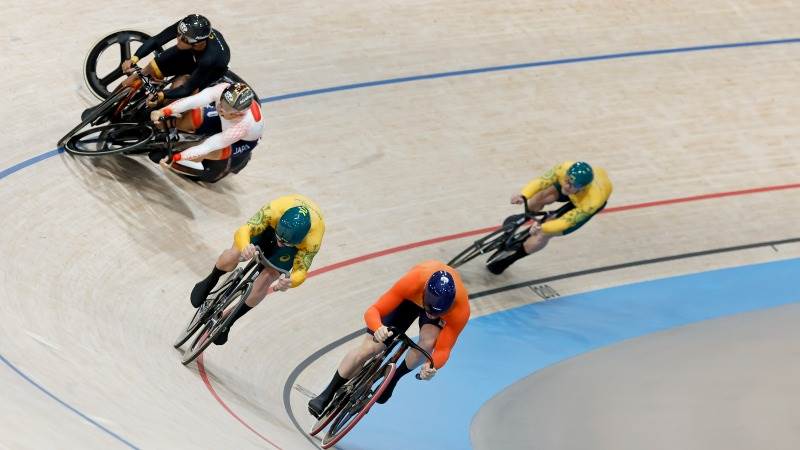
695 198
449 237
204 376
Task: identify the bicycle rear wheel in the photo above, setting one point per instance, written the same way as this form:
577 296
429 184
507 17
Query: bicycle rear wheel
220 319
201 313
509 246
109 139
359 404
486 244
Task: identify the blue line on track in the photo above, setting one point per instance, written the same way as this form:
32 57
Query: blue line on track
458 73
553 62
65 404
29 162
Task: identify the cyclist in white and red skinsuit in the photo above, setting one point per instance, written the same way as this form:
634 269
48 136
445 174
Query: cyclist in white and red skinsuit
230 115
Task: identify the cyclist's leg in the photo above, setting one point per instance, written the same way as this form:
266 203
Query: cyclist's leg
172 62
429 330
280 257
402 318
533 244
543 198
226 262
539 241
260 290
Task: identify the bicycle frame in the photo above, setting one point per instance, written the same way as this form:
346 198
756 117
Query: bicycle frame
357 396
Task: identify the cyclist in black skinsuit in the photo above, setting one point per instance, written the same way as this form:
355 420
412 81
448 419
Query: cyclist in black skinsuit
201 55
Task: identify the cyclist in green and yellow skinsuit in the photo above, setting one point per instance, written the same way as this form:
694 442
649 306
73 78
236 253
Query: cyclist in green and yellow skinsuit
584 191
288 231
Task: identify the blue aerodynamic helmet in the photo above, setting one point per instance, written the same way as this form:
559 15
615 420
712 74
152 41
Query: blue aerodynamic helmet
440 293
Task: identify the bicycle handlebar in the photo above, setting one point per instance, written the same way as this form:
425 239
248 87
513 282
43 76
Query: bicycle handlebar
541 216
149 87
396 334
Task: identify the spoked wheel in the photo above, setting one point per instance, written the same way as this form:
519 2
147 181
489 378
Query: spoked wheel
219 320
201 313
359 404
109 139
102 65
489 243
97 114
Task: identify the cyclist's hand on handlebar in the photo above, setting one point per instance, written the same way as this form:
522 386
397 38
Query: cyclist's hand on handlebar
427 372
248 253
536 228
283 283
517 199
155 99
382 333
126 66
156 115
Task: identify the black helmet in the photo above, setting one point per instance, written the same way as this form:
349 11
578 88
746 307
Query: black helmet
194 28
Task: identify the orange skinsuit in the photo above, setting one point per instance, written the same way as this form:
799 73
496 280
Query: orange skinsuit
411 287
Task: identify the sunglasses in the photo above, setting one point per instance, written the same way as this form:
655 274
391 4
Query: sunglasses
188 40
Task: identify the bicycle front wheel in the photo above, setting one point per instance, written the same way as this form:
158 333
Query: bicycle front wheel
109 139
364 396
201 313
219 320
486 244
95 114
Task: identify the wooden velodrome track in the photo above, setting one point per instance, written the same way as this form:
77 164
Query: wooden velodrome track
99 254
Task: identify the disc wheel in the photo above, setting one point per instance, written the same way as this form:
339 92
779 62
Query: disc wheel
109 68
109 139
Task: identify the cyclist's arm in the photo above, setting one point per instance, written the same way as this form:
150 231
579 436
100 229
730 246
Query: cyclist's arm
447 338
241 237
568 220
584 209
389 301
306 253
168 34
215 142
539 184
202 76
255 226
302 262
202 98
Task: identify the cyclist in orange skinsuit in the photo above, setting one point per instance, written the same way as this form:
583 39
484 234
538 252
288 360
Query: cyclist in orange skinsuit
433 294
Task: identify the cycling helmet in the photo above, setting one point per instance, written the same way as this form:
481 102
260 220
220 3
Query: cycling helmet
194 28
238 96
294 225
440 293
580 174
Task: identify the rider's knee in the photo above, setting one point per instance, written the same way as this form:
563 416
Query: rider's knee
427 343
230 256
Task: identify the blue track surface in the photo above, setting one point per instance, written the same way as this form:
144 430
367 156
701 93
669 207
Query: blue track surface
498 350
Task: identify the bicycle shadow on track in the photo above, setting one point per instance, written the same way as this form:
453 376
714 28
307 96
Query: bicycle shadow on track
150 209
